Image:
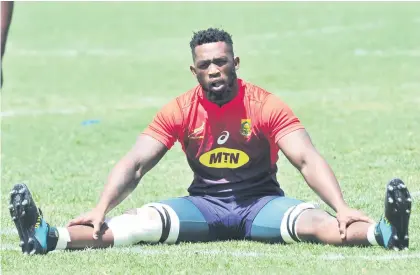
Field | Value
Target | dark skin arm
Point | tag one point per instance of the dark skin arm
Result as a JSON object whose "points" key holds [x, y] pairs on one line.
{"points": [[299, 150], [127, 173], [123, 179]]}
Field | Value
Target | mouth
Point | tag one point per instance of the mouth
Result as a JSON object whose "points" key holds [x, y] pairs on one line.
{"points": [[217, 86]]}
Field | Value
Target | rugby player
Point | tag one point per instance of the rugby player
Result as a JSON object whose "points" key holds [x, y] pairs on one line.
{"points": [[231, 132]]}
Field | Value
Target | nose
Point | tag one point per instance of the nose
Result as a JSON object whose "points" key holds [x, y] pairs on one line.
{"points": [[214, 70]]}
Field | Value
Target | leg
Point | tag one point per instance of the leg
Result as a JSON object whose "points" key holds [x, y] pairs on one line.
{"points": [[6, 18], [167, 222], [275, 221], [316, 225], [390, 232], [80, 237], [137, 225], [299, 221], [182, 220]]}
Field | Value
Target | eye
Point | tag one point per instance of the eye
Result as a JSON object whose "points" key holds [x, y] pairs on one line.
{"points": [[203, 65], [220, 61]]}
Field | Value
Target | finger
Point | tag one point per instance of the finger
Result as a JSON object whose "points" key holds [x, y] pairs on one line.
{"points": [[76, 221], [366, 219], [342, 227], [82, 220], [96, 229]]}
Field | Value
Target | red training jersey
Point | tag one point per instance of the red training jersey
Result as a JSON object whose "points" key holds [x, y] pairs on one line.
{"points": [[231, 149]]}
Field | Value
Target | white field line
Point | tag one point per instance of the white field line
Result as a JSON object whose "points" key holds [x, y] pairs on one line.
{"points": [[10, 247], [132, 52], [72, 52], [15, 113], [415, 194], [318, 31], [387, 53], [242, 254], [410, 85], [147, 102], [8, 231], [396, 256], [319, 203]]}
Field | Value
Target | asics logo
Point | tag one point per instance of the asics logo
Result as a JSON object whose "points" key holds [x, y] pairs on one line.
{"points": [[223, 138]]}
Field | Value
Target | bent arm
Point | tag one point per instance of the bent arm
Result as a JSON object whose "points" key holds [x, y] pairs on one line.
{"points": [[299, 150], [128, 172]]}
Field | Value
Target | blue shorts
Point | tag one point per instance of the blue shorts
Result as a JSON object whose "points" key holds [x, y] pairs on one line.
{"points": [[266, 218]]}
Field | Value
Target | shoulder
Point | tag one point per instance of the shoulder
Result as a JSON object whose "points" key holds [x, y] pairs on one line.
{"points": [[174, 111], [188, 98], [260, 96], [181, 102], [254, 93]]}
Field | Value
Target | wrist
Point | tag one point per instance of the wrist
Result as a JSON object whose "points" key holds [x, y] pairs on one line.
{"points": [[102, 207], [340, 206]]}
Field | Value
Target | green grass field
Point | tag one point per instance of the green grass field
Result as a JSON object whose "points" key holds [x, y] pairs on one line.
{"points": [[350, 71]]}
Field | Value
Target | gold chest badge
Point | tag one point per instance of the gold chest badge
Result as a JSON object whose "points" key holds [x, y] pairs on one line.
{"points": [[246, 127]]}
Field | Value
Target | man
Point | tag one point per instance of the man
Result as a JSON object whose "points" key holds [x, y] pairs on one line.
{"points": [[6, 18], [231, 132]]}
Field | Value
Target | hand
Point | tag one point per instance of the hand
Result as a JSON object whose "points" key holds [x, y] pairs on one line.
{"points": [[95, 217], [347, 216]]}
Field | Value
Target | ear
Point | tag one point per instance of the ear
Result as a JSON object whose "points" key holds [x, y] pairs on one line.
{"points": [[236, 61], [192, 69]]}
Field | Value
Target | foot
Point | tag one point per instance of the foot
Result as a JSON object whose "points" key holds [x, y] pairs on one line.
{"points": [[392, 229], [32, 228]]}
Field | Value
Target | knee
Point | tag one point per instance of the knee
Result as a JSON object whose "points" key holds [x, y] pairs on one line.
{"points": [[151, 223], [132, 211], [289, 227], [147, 214]]}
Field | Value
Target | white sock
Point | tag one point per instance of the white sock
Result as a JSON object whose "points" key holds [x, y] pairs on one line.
{"points": [[371, 235], [63, 238]]}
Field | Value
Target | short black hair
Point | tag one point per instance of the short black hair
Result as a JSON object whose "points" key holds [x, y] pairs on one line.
{"points": [[210, 35]]}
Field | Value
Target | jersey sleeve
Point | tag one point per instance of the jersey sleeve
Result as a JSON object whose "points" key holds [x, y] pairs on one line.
{"points": [[166, 124], [278, 119]]}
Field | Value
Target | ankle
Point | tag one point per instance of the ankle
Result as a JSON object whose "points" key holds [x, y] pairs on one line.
{"points": [[372, 234], [63, 238], [52, 238]]}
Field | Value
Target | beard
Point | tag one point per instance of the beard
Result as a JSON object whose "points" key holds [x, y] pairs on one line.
{"points": [[221, 96]]}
